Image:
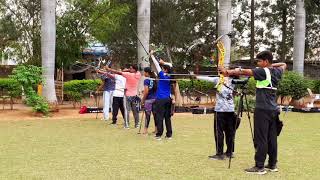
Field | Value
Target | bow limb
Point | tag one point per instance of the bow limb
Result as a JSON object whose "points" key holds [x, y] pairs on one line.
{"points": [[221, 54]]}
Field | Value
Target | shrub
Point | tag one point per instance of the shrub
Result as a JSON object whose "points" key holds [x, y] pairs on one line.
{"points": [[76, 89], [38, 103], [293, 84], [252, 86], [29, 76], [199, 85], [251, 103], [315, 86], [12, 86]]}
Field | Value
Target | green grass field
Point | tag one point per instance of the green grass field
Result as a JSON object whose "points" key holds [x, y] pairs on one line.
{"points": [[92, 149]]}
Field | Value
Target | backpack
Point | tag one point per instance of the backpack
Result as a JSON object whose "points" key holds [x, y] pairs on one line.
{"points": [[83, 110]]}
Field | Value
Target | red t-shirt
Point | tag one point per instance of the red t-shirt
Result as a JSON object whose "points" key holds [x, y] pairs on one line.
{"points": [[132, 82]]}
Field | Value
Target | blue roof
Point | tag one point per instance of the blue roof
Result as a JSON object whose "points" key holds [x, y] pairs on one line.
{"points": [[96, 50]]}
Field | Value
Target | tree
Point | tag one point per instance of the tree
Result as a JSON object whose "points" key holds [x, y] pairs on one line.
{"points": [[252, 33], [177, 25], [25, 14], [299, 37], [48, 44], [225, 26], [111, 26], [312, 29], [143, 29], [8, 32]]}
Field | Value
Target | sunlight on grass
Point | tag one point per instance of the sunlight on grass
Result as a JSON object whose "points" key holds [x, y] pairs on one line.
{"points": [[92, 149]]}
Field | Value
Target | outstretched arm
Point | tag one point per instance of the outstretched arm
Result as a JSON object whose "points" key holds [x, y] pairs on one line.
{"points": [[113, 71], [106, 74], [283, 66], [206, 78], [155, 62], [236, 72]]}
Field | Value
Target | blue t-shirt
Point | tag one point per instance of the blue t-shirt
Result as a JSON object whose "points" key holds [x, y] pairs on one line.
{"points": [[151, 86], [109, 84], [164, 86]]}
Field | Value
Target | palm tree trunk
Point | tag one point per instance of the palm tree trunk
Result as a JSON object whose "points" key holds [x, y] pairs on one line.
{"points": [[252, 42], [48, 44], [283, 49], [224, 26], [299, 37], [143, 28]]}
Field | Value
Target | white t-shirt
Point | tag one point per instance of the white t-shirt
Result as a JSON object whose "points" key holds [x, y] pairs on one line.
{"points": [[120, 86]]}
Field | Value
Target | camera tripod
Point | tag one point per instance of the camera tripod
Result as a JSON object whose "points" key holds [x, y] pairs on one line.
{"points": [[242, 101]]}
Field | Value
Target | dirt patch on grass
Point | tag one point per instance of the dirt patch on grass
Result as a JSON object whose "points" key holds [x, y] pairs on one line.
{"points": [[22, 112], [66, 111]]}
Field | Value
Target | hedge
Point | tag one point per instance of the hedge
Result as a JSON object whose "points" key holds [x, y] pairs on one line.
{"points": [[315, 86], [291, 84], [77, 89], [294, 85], [199, 85], [206, 86], [12, 86]]}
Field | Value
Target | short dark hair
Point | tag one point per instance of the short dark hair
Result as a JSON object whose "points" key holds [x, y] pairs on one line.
{"points": [[265, 55], [167, 67], [135, 67], [147, 69]]}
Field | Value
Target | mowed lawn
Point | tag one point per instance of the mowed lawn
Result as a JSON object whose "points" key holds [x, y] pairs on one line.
{"points": [[92, 149]]}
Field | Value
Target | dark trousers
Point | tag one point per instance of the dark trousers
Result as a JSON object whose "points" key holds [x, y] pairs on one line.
{"points": [[117, 104], [163, 111], [265, 136], [224, 125]]}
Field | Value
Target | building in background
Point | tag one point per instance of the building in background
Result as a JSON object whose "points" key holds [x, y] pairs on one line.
{"points": [[8, 57]]}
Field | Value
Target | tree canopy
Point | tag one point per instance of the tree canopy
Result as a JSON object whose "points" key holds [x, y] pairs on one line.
{"points": [[175, 25]]}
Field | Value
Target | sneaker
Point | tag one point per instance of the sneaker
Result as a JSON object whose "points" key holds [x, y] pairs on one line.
{"points": [[126, 127], [217, 157], [255, 170], [271, 168], [113, 123], [228, 155], [168, 137], [158, 138]]}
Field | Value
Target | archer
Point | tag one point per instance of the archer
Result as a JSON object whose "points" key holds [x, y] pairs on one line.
{"points": [[266, 109]]}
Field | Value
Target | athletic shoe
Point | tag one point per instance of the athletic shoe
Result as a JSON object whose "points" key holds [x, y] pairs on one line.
{"points": [[271, 168], [228, 155], [158, 138], [113, 123], [168, 137], [136, 126], [255, 170], [217, 157], [126, 127]]}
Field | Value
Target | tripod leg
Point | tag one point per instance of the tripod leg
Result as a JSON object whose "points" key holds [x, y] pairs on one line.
{"points": [[248, 114]]}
